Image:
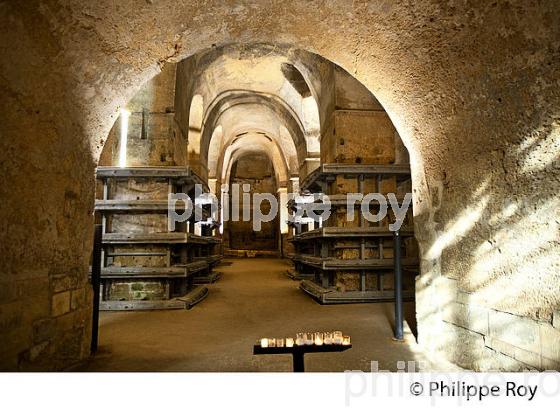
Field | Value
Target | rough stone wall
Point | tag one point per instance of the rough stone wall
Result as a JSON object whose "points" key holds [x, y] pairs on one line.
{"points": [[356, 117], [184, 93], [344, 142], [154, 137], [472, 88], [255, 170], [350, 94]]}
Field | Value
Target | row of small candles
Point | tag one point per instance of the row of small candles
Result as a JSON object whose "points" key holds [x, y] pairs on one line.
{"points": [[303, 339]]}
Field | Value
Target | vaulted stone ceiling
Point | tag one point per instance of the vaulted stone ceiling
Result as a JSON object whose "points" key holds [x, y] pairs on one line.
{"points": [[248, 90]]}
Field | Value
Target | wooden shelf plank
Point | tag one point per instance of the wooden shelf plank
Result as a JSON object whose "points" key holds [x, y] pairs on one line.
{"points": [[211, 259], [196, 295], [325, 170], [178, 270], [121, 272], [142, 205], [143, 172], [341, 200], [344, 232], [332, 263], [207, 278], [328, 296], [195, 266], [162, 237], [182, 174]]}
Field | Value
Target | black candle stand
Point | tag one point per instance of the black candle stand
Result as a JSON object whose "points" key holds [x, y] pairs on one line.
{"points": [[298, 352]]}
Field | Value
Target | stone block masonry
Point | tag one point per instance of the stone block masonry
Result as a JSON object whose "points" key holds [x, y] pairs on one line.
{"points": [[57, 320], [484, 339]]}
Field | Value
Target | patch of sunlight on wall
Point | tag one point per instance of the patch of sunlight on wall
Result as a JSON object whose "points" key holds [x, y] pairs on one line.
{"points": [[509, 262], [310, 120], [537, 152], [455, 230], [196, 113]]}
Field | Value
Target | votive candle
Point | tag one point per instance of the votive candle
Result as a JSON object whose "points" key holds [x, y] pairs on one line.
{"points": [[337, 337], [309, 338]]}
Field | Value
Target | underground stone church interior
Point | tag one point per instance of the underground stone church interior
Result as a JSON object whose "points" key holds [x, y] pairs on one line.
{"points": [[110, 109]]}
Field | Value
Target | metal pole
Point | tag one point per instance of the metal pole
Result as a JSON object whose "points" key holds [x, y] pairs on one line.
{"points": [[398, 286], [96, 284], [298, 362]]}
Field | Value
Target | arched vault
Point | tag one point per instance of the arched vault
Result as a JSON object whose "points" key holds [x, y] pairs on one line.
{"points": [[253, 110], [254, 142]]}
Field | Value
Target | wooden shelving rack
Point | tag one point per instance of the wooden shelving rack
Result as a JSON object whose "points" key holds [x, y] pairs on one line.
{"points": [[158, 269], [352, 261]]}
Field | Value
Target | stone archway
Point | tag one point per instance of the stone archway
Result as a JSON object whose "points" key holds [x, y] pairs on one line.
{"points": [[483, 151]]}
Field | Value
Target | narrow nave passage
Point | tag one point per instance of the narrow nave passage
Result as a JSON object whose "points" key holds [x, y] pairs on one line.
{"points": [[253, 299]]}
